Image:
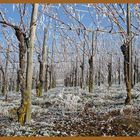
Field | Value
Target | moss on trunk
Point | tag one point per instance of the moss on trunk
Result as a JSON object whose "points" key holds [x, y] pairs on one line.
{"points": [[22, 110]]}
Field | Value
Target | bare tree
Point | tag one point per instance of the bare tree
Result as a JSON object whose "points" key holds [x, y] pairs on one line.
{"points": [[42, 66], [24, 112]]}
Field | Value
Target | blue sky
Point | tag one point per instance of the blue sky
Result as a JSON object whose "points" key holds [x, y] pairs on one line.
{"points": [[13, 15], [112, 42]]}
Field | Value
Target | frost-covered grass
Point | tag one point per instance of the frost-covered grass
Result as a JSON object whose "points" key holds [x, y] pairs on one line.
{"points": [[65, 111]]}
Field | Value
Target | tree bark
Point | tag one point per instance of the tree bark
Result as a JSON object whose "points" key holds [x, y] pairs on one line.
{"points": [[91, 74], [91, 67], [99, 73], [75, 73], [110, 72], [119, 72], [6, 68], [21, 75], [42, 66], [3, 90], [46, 76], [128, 59], [30, 60], [24, 112], [82, 82]]}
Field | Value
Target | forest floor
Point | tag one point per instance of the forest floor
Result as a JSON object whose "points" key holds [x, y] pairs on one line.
{"points": [[75, 112]]}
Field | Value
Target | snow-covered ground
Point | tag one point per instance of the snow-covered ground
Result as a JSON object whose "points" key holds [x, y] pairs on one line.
{"points": [[73, 111]]}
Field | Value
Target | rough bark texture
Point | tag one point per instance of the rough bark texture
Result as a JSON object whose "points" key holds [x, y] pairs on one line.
{"points": [[128, 58], [125, 52], [21, 75]]}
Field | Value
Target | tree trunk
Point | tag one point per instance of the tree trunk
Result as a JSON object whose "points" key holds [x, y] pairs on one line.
{"points": [[91, 74], [3, 90], [18, 81], [21, 80], [0, 82], [53, 78], [137, 78], [6, 68], [91, 66], [83, 67], [135, 71], [87, 78], [42, 66], [46, 79], [110, 72], [99, 73], [50, 79], [30, 61], [128, 59], [24, 112], [119, 72], [75, 82], [46, 76]]}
